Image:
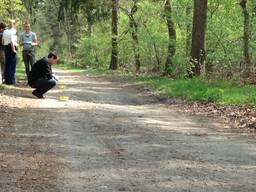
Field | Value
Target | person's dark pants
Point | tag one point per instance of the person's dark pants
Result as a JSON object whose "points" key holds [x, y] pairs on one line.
{"points": [[2, 62], [43, 85], [28, 59], [10, 66]]}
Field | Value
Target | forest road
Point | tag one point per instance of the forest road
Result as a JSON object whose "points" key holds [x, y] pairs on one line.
{"points": [[95, 135]]}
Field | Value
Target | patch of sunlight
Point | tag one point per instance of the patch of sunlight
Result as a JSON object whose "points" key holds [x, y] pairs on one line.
{"points": [[191, 164], [180, 184], [106, 88], [37, 135], [174, 124], [62, 86], [63, 98]]}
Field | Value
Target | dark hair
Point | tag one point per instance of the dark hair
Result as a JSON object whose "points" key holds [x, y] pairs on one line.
{"points": [[27, 23], [2, 26], [52, 54]]}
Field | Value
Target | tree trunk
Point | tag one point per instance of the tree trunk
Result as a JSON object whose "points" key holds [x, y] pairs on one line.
{"points": [[188, 32], [89, 25], [157, 66], [114, 55], [134, 29], [172, 38], [246, 37], [198, 38]]}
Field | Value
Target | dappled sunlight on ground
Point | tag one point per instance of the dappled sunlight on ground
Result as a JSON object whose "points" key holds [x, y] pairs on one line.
{"points": [[90, 134]]}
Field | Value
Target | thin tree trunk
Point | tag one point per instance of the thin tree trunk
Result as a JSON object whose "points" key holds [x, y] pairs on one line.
{"points": [[114, 55], [246, 37], [172, 38], [89, 19], [188, 32], [157, 65], [134, 29], [198, 37]]}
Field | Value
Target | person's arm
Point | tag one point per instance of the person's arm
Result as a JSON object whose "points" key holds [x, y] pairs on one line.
{"points": [[47, 71], [35, 42], [13, 47], [14, 41]]}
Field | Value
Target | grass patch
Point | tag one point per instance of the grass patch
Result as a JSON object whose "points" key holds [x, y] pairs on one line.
{"points": [[1, 87], [222, 92], [20, 72]]}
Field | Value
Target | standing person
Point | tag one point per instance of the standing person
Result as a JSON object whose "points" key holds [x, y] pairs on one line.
{"points": [[41, 77], [10, 38], [28, 41], [2, 54]]}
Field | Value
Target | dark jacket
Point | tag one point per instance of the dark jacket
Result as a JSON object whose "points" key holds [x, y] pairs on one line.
{"points": [[40, 70]]}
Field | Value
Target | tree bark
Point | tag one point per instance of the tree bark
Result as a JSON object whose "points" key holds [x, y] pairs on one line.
{"points": [[198, 38], [188, 32], [246, 37], [134, 29], [172, 38], [157, 65], [114, 55]]}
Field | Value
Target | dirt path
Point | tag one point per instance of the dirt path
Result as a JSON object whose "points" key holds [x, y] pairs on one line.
{"points": [[94, 135]]}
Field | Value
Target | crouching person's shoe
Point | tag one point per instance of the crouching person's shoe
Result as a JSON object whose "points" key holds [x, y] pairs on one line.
{"points": [[40, 96]]}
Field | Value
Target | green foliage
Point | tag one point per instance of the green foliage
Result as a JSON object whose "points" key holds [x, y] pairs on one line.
{"points": [[83, 33], [80, 30], [94, 50], [11, 9]]}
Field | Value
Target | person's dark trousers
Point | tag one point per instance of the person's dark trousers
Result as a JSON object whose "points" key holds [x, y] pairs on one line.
{"points": [[28, 59], [2, 62], [43, 85], [10, 66]]}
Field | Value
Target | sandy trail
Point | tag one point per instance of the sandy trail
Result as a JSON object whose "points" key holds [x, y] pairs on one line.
{"points": [[91, 134]]}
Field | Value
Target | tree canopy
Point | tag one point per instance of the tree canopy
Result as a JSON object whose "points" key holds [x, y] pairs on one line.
{"points": [[151, 36]]}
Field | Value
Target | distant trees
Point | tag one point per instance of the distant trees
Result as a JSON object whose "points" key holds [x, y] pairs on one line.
{"points": [[162, 37]]}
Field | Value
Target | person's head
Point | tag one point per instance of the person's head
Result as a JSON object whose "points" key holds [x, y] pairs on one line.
{"points": [[53, 58], [12, 23], [2, 26], [27, 26]]}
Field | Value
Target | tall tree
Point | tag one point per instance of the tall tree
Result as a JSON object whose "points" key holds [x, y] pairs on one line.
{"points": [[172, 38], [114, 55], [69, 11], [134, 28], [198, 37], [32, 7], [246, 37], [134, 31]]}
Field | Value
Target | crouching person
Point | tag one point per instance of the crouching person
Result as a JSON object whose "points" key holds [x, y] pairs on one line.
{"points": [[41, 77]]}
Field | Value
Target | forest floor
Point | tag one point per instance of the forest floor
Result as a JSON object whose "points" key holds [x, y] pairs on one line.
{"points": [[98, 135]]}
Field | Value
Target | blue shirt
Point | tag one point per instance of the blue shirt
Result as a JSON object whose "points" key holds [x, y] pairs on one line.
{"points": [[27, 40]]}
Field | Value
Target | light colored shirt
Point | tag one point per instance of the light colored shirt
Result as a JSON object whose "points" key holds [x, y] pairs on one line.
{"points": [[7, 37], [27, 40], [10, 36]]}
